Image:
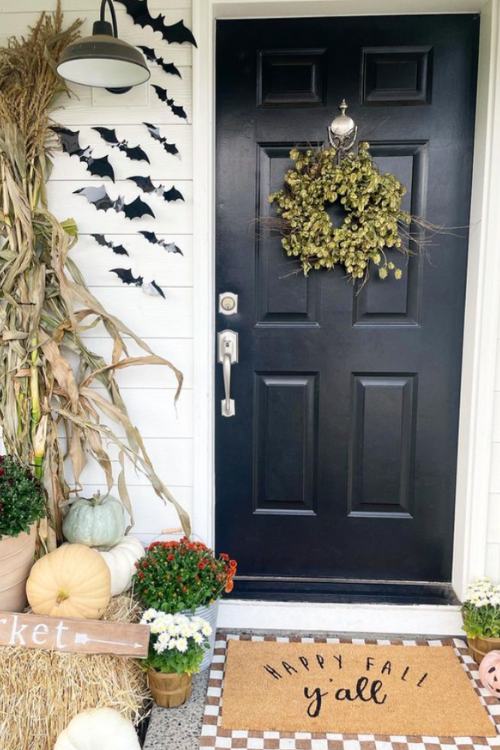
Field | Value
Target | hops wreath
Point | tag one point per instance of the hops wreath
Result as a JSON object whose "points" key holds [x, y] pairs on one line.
{"points": [[373, 222]]}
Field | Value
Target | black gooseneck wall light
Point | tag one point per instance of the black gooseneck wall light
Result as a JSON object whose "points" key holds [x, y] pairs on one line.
{"points": [[103, 60]]}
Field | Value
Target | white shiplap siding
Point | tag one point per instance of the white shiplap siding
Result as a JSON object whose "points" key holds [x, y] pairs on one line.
{"points": [[166, 325]]}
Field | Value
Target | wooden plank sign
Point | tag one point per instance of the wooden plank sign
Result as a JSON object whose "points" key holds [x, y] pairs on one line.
{"points": [[75, 636]]}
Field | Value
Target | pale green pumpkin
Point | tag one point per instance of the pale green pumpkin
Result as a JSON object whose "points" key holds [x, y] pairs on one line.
{"points": [[96, 521]]}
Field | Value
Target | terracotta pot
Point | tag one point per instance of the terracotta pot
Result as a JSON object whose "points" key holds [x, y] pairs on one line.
{"points": [[169, 690], [479, 647], [16, 560]]}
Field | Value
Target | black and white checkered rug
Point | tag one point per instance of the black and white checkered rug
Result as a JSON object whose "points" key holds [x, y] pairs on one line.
{"points": [[214, 736]]}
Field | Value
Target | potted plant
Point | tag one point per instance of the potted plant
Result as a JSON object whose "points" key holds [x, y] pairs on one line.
{"points": [[186, 577], [22, 504], [481, 616], [176, 650]]}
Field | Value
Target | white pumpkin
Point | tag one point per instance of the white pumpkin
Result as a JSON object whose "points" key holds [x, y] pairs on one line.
{"points": [[99, 521], [121, 560], [97, 729]]}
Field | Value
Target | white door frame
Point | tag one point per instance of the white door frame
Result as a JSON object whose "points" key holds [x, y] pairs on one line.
{"points": [[481, 313]]}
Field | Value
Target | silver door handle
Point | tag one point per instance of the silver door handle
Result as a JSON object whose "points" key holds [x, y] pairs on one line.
{"points": [[228, 355]]}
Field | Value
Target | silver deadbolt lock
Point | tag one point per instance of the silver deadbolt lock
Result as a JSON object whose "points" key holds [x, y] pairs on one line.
{"points": [[228, 303]]}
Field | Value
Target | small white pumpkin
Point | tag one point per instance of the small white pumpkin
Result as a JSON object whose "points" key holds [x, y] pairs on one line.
{"points": [[98, 521], [97, 729], [121, 560]]}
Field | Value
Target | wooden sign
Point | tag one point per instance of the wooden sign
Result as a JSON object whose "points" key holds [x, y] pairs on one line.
{"points": [[75, 636]]}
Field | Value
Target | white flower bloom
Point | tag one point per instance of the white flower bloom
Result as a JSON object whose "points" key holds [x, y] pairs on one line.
{"points": [[148, 615], [181, 645]]}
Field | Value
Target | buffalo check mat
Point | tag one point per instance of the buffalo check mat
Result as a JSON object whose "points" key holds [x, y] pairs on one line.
{"points": [[213, 735]]}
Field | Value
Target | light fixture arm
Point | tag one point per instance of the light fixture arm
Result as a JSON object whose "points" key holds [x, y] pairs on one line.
{"points": [[111, 7]]}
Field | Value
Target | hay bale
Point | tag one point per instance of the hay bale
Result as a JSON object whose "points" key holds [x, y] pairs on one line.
{"points": [[41, 691]]}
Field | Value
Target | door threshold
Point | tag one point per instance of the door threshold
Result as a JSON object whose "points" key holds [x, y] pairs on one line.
{"points": [[343, 591], [341, 617]]}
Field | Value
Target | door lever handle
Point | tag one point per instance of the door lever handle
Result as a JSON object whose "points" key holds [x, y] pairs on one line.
{"points": [[227, 342]]}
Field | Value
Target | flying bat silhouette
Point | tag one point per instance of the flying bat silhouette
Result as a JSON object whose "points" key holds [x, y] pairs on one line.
{"points": [[133, 152], [154, 132], [150, 54], [170, 247], [117, 249], [127, 277], [162, 95], [147, 186], [177, 32], [99, 198], [70, 143]]}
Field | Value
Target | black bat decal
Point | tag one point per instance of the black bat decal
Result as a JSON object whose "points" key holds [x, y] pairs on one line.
{"points": [[150, 54], [70, 144], [127, 277], [153, 289], [147, 186], [99, 198], [132, 152], [173, 195], [162, 95], [154, 132], [117, 249], [144, 183], [170, 247], [177, 32]]}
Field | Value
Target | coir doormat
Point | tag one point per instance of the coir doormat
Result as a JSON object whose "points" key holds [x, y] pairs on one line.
{"points": [[350, 688]]}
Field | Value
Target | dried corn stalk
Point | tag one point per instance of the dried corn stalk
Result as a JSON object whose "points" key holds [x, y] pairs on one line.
{"points": [[45, 305]]}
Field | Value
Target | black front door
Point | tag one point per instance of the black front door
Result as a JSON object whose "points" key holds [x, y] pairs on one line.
{"points": [[336, 475]]}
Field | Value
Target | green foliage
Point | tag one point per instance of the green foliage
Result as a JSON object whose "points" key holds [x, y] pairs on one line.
{"points": [[177, 576], [481, 610], [177, 642], [22, 499], [372, 202]]}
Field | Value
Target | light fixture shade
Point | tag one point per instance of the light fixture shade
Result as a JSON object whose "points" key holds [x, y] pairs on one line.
{"points": [[103, 61]]}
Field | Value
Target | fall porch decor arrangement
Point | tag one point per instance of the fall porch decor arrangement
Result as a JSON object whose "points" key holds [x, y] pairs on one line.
{"points": [[481, 617], [45, 305], [176, 650], [22, 504], [185, 577], [374, 220]]}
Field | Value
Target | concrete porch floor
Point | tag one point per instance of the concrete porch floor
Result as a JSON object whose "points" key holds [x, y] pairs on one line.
{"points": [[180, 728]]}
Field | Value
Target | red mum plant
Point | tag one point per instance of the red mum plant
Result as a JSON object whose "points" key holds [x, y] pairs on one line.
{"points": [[177, 576]]}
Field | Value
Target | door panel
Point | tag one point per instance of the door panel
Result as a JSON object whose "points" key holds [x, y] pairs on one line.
{"points": [[336, 476]]}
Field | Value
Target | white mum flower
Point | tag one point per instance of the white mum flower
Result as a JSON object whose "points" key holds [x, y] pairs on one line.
{"points": [[148, 615], [206, 628], [181, 645]]}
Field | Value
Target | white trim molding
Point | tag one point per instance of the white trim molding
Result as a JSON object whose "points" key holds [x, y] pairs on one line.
{"points": [[481, 316], [417, 619]]}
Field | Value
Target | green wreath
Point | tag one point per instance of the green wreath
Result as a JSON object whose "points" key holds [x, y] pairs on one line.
{"points": [[374, 219]]}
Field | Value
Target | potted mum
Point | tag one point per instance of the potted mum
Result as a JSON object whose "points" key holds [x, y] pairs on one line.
{"points": [[176, 650], [22, 504], [186, 577], [481, 616]]}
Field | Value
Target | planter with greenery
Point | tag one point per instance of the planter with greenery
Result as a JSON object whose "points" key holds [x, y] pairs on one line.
{"points": [[481, 616], [185, 577], [176, 649], [22, 505]]}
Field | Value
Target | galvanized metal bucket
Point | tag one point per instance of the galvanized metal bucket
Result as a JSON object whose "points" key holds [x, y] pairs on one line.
{"points": [[208, 613]]}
